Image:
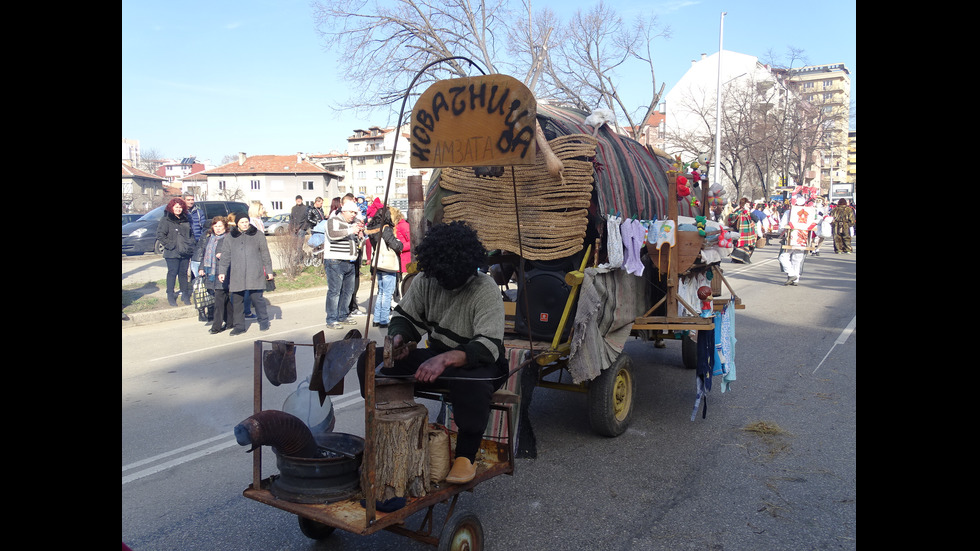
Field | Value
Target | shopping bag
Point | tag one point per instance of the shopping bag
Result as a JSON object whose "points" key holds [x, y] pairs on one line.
{"points": [[201, 296]]}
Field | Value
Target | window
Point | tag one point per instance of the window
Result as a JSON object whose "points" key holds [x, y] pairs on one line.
{"points": [[307, 185], [275, 205], [379, 158], [222, 185], [255, 185], [808, 84], [399, 173], [380, 190], [362, 175], [379, 174]]}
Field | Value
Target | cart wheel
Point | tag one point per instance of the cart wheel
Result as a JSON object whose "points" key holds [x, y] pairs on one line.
{"points": [[689, 352], [313, 529], [611, 398], [462, 532]]}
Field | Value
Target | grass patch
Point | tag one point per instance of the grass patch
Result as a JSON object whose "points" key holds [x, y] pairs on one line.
{"points": [[149, 296]]}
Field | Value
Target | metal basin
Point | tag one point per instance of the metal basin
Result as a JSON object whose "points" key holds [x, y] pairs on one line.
{"points": [[330, 477]]}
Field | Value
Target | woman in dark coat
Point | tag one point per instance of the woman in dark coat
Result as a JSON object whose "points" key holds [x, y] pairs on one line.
{"points": [[211, 246], [174, 232], [245, 265]]}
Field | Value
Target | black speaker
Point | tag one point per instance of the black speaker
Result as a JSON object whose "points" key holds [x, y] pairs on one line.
{"points": [[546, 294]]}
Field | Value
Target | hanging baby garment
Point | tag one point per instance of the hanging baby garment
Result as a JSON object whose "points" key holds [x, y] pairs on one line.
{"points": [[662, 232], [633, 238]]}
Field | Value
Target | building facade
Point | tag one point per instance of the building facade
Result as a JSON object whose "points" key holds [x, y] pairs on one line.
{"points": [[142, 191], [275, 180]]}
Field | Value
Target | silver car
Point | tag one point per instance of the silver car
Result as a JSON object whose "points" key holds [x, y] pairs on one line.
{"points": [[277, 225]]}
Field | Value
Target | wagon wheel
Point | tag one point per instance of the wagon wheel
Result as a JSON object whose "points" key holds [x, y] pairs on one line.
{"points": [[313, 529], [689, 351], [611, 397], [462, 532]]}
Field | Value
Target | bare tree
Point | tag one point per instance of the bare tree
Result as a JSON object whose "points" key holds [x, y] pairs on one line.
{"points": [[386, 45], [571, 64]]}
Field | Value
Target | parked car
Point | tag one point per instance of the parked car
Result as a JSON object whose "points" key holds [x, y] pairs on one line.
{"points": [[141, 236], [277, 225], [127, 218]]}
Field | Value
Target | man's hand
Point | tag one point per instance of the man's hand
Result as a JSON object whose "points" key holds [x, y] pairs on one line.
{"points": [[431, 369], [398, 352]]}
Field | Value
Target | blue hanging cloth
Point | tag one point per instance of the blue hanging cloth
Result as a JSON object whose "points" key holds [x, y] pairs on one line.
{"points": [[706, 360]]}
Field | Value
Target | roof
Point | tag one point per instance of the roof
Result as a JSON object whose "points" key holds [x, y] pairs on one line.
{"points": [[133, 172], [268, 164]]}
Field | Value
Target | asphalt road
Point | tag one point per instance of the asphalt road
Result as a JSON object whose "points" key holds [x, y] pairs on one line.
{"points": [[667, 483]]}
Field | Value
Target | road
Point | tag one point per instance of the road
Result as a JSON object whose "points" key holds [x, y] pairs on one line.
{"points": [[667, 483]]}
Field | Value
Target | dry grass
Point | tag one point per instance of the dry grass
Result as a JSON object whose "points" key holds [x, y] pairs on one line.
{"points": [[772, 436]]}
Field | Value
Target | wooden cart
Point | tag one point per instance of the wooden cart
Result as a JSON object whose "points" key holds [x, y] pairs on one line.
{"points": [[358, 514]]}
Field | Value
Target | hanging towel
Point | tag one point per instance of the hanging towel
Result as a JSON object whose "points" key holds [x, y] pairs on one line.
{"points": [[614, 241], [706, 359], [728, 344]]}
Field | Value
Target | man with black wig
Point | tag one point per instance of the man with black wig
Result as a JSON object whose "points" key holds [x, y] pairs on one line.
{"points": [[462, 312]]}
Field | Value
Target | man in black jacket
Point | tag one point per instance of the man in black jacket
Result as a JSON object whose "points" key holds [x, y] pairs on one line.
{"points": [[298, 226], [315, 214], [297, 217]]}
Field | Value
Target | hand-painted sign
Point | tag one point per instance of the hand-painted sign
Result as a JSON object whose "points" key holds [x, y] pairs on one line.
{"points": [[475, 121]]}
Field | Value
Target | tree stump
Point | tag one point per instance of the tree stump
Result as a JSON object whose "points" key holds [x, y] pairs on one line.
{"points": [[401, 451]]}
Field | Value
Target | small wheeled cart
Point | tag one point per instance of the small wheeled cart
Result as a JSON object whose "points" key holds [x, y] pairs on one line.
{"points": [[359, 513]]}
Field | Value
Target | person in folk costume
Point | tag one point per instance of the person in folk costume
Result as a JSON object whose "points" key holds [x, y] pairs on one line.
{"points": [[796, 233], [844, 220], [741, 221]]}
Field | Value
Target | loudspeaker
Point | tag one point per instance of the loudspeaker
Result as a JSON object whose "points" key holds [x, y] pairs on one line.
{"points": [[546, 293]]}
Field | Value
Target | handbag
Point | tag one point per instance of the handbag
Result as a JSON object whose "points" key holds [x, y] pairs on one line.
{"points": [[201, 297], [388, 260]]}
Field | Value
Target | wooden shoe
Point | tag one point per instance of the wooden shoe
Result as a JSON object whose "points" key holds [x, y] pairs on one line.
{"points": [[462, 472]]}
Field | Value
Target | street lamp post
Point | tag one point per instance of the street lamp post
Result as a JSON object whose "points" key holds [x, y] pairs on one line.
{"points": [[717, 160]]}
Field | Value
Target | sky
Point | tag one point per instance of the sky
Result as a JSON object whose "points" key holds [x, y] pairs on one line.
{"points": [[213, 78]]}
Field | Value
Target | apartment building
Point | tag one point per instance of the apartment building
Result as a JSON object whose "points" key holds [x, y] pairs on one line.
{"points": [[828, 86], [369, 163]]}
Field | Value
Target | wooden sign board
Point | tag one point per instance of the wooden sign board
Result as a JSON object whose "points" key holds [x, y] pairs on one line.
{"points": [[474, 121]]}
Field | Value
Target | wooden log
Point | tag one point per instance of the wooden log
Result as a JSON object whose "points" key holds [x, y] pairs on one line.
{"points": [[401, 451]]}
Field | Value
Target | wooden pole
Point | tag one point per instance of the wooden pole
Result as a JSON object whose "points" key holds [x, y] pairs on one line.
{"points": [[416, 211]]}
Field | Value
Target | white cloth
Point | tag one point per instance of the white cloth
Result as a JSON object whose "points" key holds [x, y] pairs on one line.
{"points": [[614, 241], [791, 261]]}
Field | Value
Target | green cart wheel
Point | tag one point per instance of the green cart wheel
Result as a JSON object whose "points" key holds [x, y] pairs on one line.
{"points": [[611, 397]]}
